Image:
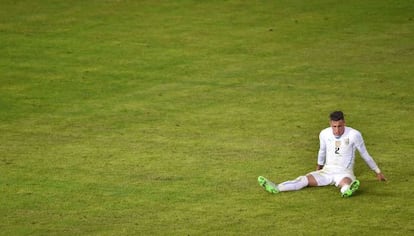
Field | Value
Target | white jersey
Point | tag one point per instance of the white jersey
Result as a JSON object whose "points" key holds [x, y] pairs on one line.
{"points": [[339, 153]]}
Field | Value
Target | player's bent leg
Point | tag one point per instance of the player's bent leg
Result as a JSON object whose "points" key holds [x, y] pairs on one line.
{"points": [[349, 190], [345, 181], [267, 185]]}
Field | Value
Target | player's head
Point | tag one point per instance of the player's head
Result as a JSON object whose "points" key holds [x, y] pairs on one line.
{"points": [[337, 115], [337, 122]]}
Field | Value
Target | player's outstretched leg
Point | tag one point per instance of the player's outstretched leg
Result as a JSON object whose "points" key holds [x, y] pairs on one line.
{"points": [[352, 188], [267, 185]]}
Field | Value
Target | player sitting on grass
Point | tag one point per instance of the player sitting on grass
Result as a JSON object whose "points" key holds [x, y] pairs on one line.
{"points": [[336, 160]]}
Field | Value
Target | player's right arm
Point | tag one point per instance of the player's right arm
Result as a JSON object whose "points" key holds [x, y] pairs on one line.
{"points": [[321, 152]]}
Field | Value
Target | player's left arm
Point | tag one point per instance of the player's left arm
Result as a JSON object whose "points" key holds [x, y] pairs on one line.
{"points": [[381, 177], [360, 145]]}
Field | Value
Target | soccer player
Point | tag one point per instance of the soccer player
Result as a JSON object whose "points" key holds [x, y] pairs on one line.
{"points": [[336, 158]]}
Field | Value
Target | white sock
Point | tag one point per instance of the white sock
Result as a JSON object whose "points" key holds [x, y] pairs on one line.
{"points": [[344, 188], [296, 184]]}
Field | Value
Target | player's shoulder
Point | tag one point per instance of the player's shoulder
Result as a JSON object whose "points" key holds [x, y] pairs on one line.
{"points": [[325, 132], [352, 132]]}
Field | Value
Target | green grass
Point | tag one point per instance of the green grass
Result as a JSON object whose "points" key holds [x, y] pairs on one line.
{"points": [[156, 117]]}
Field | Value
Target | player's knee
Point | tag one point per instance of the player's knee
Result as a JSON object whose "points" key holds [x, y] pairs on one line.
{"points": [[345, 181], [311, 180]]}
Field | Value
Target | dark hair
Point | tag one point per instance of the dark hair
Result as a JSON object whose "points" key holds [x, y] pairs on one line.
{"points": [[337, 115]]}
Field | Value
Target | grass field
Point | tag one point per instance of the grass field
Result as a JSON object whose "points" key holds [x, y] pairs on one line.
{"points": [[156, 117]]}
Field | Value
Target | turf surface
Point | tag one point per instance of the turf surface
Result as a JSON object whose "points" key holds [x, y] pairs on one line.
{"points": [[156, 117]]}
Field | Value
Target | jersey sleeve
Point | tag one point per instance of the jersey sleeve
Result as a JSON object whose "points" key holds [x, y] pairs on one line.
{"points": [[322, 150], [360, 145]]}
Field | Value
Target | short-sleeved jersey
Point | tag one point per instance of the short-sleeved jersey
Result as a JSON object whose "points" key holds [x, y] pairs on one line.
{"points": [[339, 152]]}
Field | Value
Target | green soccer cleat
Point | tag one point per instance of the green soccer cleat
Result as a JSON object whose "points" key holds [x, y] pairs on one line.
{"points": [[267, 185], [354, 187]]}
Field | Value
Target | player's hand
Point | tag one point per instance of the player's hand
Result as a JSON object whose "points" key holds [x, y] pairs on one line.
{"points": [[381, 177]]}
